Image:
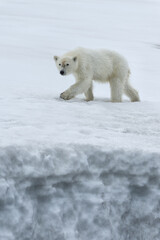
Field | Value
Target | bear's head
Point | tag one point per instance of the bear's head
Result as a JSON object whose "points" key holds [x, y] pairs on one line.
{"points": [[66, 65]]}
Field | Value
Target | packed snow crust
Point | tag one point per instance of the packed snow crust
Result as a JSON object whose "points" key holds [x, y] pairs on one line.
{"points": [[79, 192], [74, 169]]}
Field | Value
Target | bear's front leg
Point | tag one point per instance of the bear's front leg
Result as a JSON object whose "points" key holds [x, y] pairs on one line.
{"points": [[67, 95], [80, 87], [89, 94]]}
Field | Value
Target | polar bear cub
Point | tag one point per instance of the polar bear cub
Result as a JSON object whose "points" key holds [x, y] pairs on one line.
{"points": [[99, 65]]}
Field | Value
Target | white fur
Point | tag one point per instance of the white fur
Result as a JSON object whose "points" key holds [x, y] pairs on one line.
{"points": [[99, 65]]}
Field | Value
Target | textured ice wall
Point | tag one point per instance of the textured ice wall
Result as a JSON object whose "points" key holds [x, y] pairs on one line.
{"points": [[78, 192]]}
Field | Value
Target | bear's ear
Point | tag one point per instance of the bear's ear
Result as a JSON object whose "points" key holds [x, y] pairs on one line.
{"points": [[75, 59], [55, 58]]}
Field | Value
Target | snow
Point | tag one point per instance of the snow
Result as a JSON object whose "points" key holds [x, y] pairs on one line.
{"points": [[48, 194], [48, 121], [76, 169]]}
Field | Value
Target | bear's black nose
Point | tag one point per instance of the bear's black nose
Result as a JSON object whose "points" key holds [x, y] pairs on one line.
{"points": [[62, 72]]}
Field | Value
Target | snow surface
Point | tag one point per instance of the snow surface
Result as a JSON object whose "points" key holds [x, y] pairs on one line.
{"points": [[76, 169]]}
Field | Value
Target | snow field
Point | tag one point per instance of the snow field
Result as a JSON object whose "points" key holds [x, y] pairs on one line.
{"points": [[76, 169]]}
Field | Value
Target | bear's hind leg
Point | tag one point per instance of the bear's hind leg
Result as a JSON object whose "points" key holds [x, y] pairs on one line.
{"points": [[116, 90], [89, 94], [131, 92]]}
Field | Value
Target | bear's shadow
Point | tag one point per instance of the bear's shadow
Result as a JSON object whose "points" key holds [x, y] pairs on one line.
{"points": [[82, 100]]}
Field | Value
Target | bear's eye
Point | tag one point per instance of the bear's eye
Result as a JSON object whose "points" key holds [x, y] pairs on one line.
{"points": [[67, 64], [59, 64]]}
